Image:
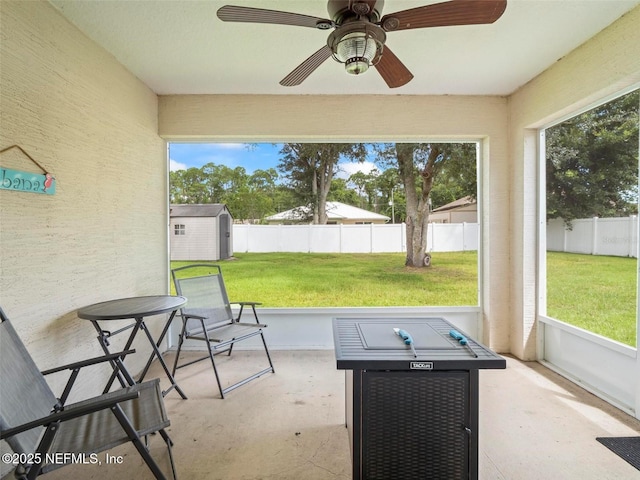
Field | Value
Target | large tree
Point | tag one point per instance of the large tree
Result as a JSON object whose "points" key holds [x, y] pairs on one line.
{"points": [[189, 186], [457, 178], [419, 164], [391, 195], [367, 187], [310, 168], [380, 191], [340, 192], [592, 162]]}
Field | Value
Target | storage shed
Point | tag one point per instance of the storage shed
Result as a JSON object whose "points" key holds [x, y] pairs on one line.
{"points": [[200, 232]]}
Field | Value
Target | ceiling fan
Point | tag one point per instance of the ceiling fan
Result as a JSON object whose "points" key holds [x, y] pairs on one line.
{"points": [[360, 31]]}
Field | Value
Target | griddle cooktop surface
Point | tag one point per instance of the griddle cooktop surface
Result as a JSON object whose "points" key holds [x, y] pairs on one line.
{"points": [[381, 336], [372, 344]]}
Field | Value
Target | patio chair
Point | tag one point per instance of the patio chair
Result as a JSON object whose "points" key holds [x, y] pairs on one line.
{"points": [[207, 317], [45, 433]]}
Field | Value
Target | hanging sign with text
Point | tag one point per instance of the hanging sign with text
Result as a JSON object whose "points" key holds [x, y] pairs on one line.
{"points": [[19, 181]]}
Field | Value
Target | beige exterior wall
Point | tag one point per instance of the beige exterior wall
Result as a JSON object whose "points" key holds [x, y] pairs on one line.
{"points": [[398, 118], [606, 65], [103, 235], [467, 214]]}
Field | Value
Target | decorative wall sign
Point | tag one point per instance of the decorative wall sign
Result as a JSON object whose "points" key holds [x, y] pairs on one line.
{"points": [[27, 181], [20, 181]]}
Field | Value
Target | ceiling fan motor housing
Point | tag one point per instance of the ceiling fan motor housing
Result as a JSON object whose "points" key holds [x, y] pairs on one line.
{"points": [[339, 10]]}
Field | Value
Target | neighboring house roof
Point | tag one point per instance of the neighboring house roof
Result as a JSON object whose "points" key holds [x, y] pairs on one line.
{"points": [[335, 211], [197, 210], [461, 202]]}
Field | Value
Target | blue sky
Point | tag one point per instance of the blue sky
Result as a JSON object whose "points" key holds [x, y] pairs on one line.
{"points": [[260, 156]]}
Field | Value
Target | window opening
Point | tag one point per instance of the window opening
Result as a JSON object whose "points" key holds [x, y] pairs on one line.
{"points": [[367, 264], [592, 219]]}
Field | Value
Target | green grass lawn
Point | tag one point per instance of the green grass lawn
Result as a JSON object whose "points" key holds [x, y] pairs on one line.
{"points": [[596, 293], [349, 280]]}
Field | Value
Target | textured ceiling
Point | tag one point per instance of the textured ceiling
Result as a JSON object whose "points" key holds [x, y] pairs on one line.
{"points": [[181, 47]]}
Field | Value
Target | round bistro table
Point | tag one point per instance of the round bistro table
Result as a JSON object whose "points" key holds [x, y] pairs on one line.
{"points": [[136, 309]]}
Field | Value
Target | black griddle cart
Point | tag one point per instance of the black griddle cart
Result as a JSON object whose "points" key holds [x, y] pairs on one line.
{"points": [[411, 417]]}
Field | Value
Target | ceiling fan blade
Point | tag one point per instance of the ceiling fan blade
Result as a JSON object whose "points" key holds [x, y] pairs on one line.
{"points": [[454, 12], [392, 70], [232, 13], [306, 68]]}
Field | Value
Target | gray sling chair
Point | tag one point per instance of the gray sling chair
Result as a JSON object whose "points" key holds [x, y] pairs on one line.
{"points": [[37, 425], [207, 317]]}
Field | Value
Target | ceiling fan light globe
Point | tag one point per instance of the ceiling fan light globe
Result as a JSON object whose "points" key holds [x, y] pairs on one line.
{"points": [[356, 65], [357, 44]]}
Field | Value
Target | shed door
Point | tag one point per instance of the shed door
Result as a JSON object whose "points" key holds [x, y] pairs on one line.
{"points": [[225, 236]]}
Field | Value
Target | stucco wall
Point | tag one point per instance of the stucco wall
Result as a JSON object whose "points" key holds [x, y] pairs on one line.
{"points": [[606, 65], [373, 118], [103, 235]]}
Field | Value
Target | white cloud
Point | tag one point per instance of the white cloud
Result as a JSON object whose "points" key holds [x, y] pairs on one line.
{"points": [[173, 166], [230, 146], [349, 168]]}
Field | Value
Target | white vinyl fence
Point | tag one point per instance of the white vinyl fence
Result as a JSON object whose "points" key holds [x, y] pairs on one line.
{"points": [[388, 238], [596, 236]]}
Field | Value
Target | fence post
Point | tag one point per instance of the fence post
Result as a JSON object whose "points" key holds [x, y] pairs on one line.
{"points": [[633, 236], [594, 236], [430, 233], [464, 236], [371, 238], [404, 237], [248, 239]]}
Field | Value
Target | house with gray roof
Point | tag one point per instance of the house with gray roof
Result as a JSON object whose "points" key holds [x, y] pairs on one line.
{"points": [[462, 210], [337, 212]]}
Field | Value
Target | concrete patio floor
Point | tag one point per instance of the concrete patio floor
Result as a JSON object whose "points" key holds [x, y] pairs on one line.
{"points": [[289, 425]]}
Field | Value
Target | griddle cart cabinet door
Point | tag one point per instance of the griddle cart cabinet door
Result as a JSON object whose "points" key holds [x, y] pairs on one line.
{"points": [[415, 425]]}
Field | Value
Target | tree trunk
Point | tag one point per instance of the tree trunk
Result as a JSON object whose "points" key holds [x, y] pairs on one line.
{"points": [[314, 193], [417, 203], [417, 229], [322, 203], [327, 162]]}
